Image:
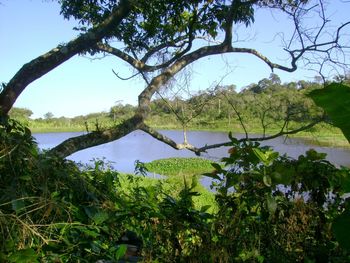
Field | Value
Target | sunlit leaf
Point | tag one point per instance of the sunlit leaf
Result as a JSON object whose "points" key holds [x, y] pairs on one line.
{"points": [[100, 217], [260, 154], [267, 180], [120, 251], [335, 100], [271, 204], [272, 155]]}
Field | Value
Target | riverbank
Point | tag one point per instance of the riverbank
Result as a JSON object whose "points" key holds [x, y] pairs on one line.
{"points": [[320, 135]]}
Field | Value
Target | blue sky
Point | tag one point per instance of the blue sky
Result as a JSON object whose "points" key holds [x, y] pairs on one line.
{"points": [[29, 28]]}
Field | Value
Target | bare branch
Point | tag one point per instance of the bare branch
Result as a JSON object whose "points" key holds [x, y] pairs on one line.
{"points": [[281, 133], [315, 40], [140, 64], [119, 77], [238, 115], [166, 140]]}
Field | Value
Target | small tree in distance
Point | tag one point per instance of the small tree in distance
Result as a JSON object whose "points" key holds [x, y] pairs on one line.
{"points": [[20, 113], [48, 116]]}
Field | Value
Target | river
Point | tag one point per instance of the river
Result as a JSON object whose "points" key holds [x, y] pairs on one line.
{"points": [[141, 146]]}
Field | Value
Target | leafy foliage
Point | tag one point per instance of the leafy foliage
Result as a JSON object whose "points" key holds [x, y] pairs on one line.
{"points": [[56, 211], [273, 207], [335, 100], [268, 208], [157, 22], [175, 23]]}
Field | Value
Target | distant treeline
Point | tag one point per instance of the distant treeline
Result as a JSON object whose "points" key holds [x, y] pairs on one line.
{"points": [[259, 107]]}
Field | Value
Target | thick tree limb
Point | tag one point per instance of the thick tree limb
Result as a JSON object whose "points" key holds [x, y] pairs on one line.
{"points": [[82, 142], [92, 139], [139, 64], [160, 137], [55, 57]]}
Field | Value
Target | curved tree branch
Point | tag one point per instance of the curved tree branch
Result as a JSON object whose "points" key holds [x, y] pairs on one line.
{"points": [[140, 64], [160, 137], [67, 147], [92, 139]]}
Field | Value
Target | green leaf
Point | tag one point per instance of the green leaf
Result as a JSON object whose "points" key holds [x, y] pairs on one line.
{"points": [[217, 167], [55, 194], [267, 180], [271, 204], [260, 154], [205, 208], [335, 101], [232, 139], [341, 229], [282, 175], [96, 214], [213, 175], [120, 251], [260, 258], [88, 232], [314, 155], [100, 217], [271, 156], [344, 175], [25, 178]]}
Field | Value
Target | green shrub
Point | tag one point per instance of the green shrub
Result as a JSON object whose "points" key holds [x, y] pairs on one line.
{"points": [[50, 210], [268, 208], [273, 208]]}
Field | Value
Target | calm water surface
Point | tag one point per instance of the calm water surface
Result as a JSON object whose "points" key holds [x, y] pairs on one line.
{"points": [[141, 146]]}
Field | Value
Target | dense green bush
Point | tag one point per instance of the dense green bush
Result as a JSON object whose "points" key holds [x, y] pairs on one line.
{"points": [[269, 208], [53, 210], [50, 210], [273, 208]]}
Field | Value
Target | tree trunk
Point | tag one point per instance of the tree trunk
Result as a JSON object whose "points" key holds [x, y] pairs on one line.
{"points": [[184, 129]]}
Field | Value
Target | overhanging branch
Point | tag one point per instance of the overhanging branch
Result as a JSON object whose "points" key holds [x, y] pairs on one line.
{"points": [[259, 139], [92, 139], [160, 137]]}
